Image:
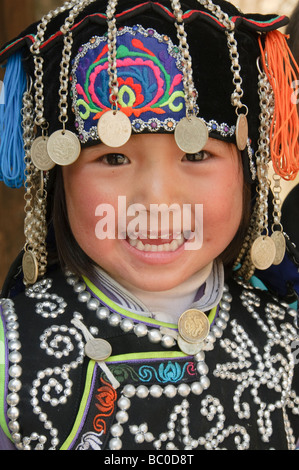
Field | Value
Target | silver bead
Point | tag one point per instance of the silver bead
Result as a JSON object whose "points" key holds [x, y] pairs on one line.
{"points": [[13, 399], [140, 330], [12, 335], [84, 296], [154, 336], [142, 391], [205, 382], [124, 403], [14, 345], [129, 391], [15, 371], [183, 390], [196, 388], [80, 287], [202, 368], [115, 444], [127, 325], [200, 356], [168, 341], [156, 391], [114, 319], [225, 306], [93, 304], [15, 385], [122, 417], [117, 430], [103, 313], [15, 357], [13, 413], [170, 391]]}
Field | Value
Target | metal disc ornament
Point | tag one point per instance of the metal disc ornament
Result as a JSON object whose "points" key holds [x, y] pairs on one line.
{"points": [[194, 326], [98, 349], [64, 147], [280, 244], [39, 154], [114, 128], [30, 267], [242, 132], [263, 252], [191, 135], [189, 348]]}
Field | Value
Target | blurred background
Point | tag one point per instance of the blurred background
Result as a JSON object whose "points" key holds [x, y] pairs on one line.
{"points": [[16, 15]]}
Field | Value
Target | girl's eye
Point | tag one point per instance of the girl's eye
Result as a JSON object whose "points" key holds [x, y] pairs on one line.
{"points": [[196, 157], [115, 159]]}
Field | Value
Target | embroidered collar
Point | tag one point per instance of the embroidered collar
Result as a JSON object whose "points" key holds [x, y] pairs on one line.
{"points": [[206, 298]]}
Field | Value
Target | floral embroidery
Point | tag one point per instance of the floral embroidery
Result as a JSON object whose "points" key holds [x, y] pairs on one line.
{"points": [[171, 372], [107, 396], [90, 441], [149, 77], [122, 372]]}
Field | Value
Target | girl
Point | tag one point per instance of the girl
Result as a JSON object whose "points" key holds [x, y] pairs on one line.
{"points": [[129, 322]]}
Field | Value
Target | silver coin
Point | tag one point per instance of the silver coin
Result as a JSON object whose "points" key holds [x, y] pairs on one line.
{"points": [[98, 349], [114, 128], [64, 147], [191, 135], [194, 326], [263, 252], [242, 132], [40, 156], [188, 348], [280, 244], [30, 267]]}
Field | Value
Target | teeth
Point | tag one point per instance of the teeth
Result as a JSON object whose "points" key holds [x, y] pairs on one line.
{"points": [[167, 247]]}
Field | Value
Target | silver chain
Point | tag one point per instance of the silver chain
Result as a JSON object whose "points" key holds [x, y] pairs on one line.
{"points": [[78, 7], [39, 62], [112, 52], [189, 89], [223, 17]]}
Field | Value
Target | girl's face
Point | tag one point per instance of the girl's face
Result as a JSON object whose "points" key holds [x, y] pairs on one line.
{"points": [[152, 170]]}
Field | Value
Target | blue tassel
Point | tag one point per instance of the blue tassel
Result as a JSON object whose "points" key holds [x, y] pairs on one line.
{"points": [[12, 166]]}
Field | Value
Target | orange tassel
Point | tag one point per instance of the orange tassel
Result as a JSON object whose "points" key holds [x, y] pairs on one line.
{"points": [[281, 67]]}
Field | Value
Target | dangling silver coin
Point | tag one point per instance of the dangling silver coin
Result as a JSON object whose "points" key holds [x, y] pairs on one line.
{"points": [[189, 348], [114, 128], [30, 267], [39, 154], [98, 349], [64, 147], [191, 135], [194, 326], [242, 132], [281, 246], [263, 252]]}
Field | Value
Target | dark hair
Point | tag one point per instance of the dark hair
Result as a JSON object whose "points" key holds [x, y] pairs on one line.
{"points": [[293, 31], [72, 256]]}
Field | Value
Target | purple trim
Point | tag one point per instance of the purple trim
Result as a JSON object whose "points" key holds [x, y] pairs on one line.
{"points": [[125, 316], [86, 409], [137, 361], [5, 443]]}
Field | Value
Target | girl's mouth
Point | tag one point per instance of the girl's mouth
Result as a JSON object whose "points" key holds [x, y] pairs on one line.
{"points": [[157, 244]]}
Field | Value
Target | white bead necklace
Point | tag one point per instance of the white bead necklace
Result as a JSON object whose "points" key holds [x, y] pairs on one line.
{"points": [[167, 337]]}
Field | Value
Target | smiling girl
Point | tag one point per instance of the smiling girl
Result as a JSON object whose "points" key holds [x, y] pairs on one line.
{"points": [[118, 333]]}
